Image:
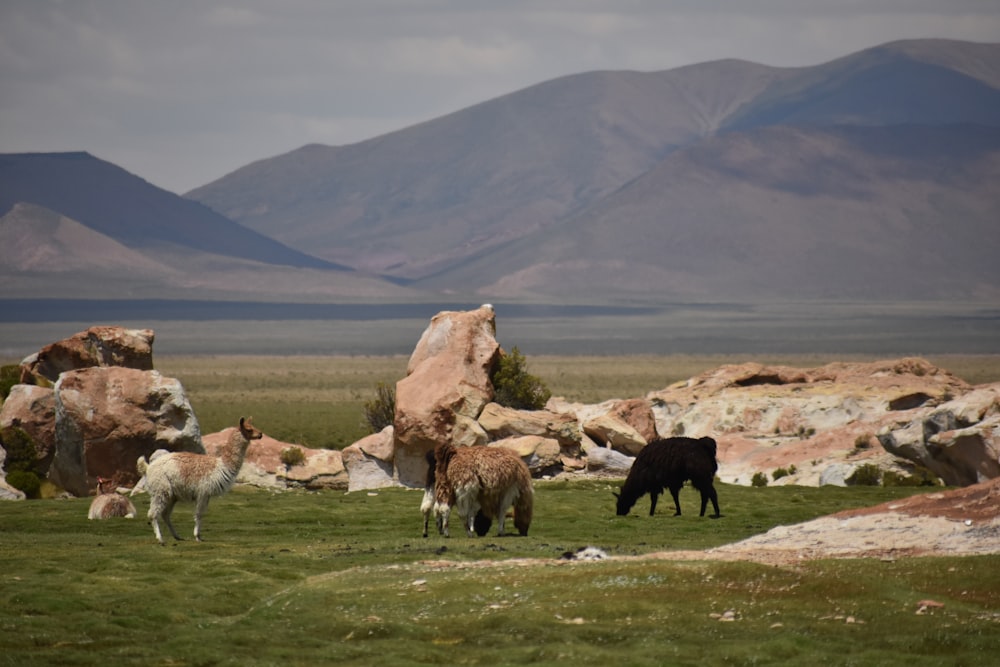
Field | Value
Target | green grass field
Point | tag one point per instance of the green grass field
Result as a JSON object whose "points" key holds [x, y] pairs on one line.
{"points": [[301, 578]]}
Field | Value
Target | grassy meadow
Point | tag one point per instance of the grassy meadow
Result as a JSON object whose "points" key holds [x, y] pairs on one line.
{"points": [[306, 578], [299, 578]]}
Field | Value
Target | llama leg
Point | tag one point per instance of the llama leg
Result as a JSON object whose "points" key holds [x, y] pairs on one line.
{"points": [[199, 509], [675, 493], [154, 512], [442, 520], [167, 511], [653, 497], [501, 518], [708, 493]]}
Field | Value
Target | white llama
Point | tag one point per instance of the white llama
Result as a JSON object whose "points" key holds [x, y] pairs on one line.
{"points": [[198, 477]]}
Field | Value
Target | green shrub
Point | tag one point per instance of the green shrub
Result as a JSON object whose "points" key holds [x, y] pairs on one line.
{"points": [[920, 477], [26, 481], [867, 474], [292, 456], [514, 387], [20, 447], [381, 410], [759, 479], [9, 376], [783, 472]]}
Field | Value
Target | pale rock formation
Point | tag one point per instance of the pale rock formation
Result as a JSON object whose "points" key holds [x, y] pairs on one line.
{"points": [[542, 455], [502, 422], [369, 461], [637, 413], [107, 417], [615, 434], [447, 384], [262, 465], [959, 441], [97, 346], [33, 409], [766, 418]]}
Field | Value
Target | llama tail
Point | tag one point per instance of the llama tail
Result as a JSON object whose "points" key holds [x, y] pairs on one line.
{"points": [[524, 507]]}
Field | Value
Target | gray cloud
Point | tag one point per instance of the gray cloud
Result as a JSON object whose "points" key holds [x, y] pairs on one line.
{"points": [[181, 93]]}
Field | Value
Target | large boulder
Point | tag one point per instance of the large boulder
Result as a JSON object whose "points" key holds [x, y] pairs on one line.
{"points": [[612, 432], [542, 455], [97, 346], [33, 409], [502, 422], [776, 417], [959, 441], [107, 417], [447, 384], [369, 461], [263, 466], [637, 413]]}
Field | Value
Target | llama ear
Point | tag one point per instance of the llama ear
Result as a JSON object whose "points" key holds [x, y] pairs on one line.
{"points": [[242, 420]]}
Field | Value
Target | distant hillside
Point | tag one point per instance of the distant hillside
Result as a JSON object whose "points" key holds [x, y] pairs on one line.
{"points": [[45, 255], [628, 185], [871, 177], [899, 212], [131, 211]]}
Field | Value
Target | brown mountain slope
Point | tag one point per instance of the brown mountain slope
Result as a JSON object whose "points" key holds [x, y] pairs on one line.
{"points": [[47, 255], [859, 213], [415, 201], [626, 184]]}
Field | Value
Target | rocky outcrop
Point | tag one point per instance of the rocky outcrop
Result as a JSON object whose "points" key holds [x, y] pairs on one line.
{"points": [[369, 461], [959, 441], [33, 409], [802, 421], [447, 384], [106, 417], [97, 346], [263, 465]]}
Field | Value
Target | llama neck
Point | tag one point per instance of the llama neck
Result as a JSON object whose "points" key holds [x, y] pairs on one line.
{"points": [[234, 451]]}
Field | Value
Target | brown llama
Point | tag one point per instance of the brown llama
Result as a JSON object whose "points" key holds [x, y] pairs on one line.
{"points": [[109, 504], [482, 479], [198, 477]]}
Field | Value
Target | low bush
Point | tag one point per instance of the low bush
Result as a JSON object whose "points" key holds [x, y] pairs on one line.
{"points": [[514, 387], [759, 479], [26, 481], [381, 410], [866, 474], [783, 472], [292, 456], [9, 376], [20, 448]]}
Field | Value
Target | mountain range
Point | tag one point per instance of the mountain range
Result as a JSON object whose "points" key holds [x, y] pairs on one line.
{"points": [[870, 177]]}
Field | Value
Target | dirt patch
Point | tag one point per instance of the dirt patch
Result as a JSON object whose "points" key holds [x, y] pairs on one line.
{"points": [[963, 521], [958, 522]]}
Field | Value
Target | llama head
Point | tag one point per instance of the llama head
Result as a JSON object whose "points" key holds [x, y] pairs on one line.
{"points": [[248, 430], [624, 500]]}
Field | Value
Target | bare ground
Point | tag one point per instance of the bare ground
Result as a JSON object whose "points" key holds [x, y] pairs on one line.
{"points": [[957, 522]]}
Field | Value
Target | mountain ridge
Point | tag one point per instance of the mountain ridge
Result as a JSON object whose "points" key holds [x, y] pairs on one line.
{"points": [[867, 177]]}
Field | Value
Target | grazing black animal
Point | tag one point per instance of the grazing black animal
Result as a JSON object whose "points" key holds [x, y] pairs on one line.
{"points": [[668, 463]]}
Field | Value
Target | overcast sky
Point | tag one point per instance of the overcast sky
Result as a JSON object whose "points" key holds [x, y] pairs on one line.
{"points": [[183, 92]]}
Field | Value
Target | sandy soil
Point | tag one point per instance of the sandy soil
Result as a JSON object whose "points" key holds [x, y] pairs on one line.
{"points": [[959, 522], [963, 521]]}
